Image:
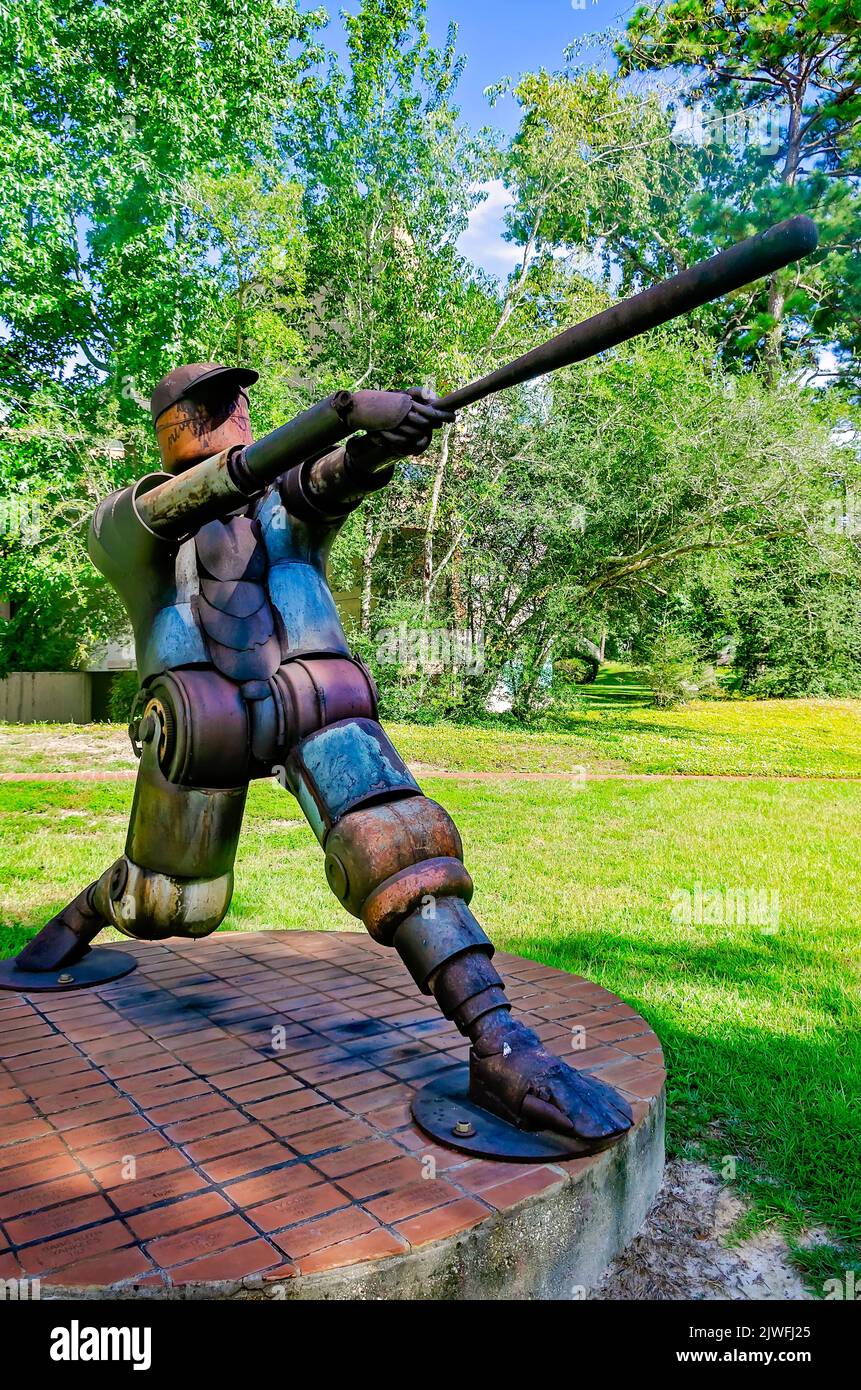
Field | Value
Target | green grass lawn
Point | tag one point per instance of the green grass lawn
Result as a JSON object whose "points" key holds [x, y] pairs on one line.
{"points": [[759, 1020], [613, 730]]}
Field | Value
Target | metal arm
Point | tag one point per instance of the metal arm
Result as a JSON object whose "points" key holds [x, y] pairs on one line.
{"points": [[335, 481], [220, 485]]}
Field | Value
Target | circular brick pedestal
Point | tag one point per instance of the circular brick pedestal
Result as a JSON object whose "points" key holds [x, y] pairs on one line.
{"points": [[233, 1119]]}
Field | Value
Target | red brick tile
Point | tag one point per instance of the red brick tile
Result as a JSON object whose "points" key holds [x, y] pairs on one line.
{"points": [[130, 1196], [264, 1090], [383, 1177], [205, 1240], [328, 1230], [442, 1221], [354, 1085], [376, 1245], [508, 1194], [16, 1114], [480, 1173], [230, 1142], [243, 1076], [356, 1156], [243, 1165], [369, 1101], [298, 1206], [32, 1199], [412, 1198], [114, 1152], [241, 1262], [102, 1271], [331, 1137], [42, 1170], [29, 1151], [138, 1167], [206, 1126], [9, 1267], [392, 1117], [68, 1216], [209, 1104], [69, 1250], [161, 1096], [275, 1184], [28, 1129], [177, 1216], [317, 1114], [68, 1099], [117, 1108]]}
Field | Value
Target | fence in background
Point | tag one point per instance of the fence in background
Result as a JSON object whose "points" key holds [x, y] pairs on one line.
{"points": [[52, 697]]}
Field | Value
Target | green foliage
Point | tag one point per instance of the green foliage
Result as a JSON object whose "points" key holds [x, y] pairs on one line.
{"points": [[781, 82], [124, 687], [210, 184], [673, 667]]}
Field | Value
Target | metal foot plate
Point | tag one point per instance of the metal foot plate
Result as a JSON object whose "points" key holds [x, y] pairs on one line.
{"points": [[443, 1107], [97, 967]]}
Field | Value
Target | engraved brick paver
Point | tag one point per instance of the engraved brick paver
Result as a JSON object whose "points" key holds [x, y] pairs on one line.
{"points": [[158, 1131]]}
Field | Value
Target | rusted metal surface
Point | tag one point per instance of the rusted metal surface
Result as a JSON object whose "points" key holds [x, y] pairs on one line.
{"points": [[64, 939], [186, 832], [448, 1115], [342, 766], [190, 432], [149, 905], [416, 886], [370, 845]]}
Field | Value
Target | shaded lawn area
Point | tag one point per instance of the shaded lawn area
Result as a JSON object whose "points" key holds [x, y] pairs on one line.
{"points": [[760, 1025]]}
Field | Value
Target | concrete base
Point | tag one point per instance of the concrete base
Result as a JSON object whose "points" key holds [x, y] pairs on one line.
{"points": [[233, 1121]]}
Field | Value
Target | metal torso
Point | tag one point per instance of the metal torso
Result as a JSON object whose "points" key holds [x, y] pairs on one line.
{"points": [[241, 596]]}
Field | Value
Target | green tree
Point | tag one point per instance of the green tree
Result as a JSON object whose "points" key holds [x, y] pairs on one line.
{"points": [[389, 176], [145, 221], [781, 80]]}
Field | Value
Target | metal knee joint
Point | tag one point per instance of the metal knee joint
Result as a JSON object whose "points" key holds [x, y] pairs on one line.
{"points": [[150, 906], [385, 861], [399, 866]]}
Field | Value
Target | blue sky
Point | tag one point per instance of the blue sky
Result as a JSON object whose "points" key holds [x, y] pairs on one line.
{"points": [[502, 38]]}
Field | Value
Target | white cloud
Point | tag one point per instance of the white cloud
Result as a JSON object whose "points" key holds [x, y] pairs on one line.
{"points": [[482, 242]]}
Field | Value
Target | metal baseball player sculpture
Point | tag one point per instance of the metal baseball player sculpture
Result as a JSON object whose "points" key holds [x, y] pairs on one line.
{"points": [[220, 562]]}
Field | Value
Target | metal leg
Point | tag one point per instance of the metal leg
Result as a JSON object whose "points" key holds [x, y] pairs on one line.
{"points": [[175, 879], [394, 859]]}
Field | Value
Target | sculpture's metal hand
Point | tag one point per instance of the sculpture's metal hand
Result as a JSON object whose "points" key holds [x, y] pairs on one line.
{"points": [[414, 434]]}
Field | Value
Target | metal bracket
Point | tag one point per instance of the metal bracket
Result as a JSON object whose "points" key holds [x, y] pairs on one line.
{"points": [[97, 967], [445, 1112]]}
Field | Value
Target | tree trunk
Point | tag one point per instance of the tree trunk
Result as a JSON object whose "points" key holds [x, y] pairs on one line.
{"points": [[373, 537], [433, 512], [777, 282]]}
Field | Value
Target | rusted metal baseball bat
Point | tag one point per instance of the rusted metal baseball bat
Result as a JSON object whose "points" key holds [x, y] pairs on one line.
{"points": [[722, 274], [218, 485]]}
